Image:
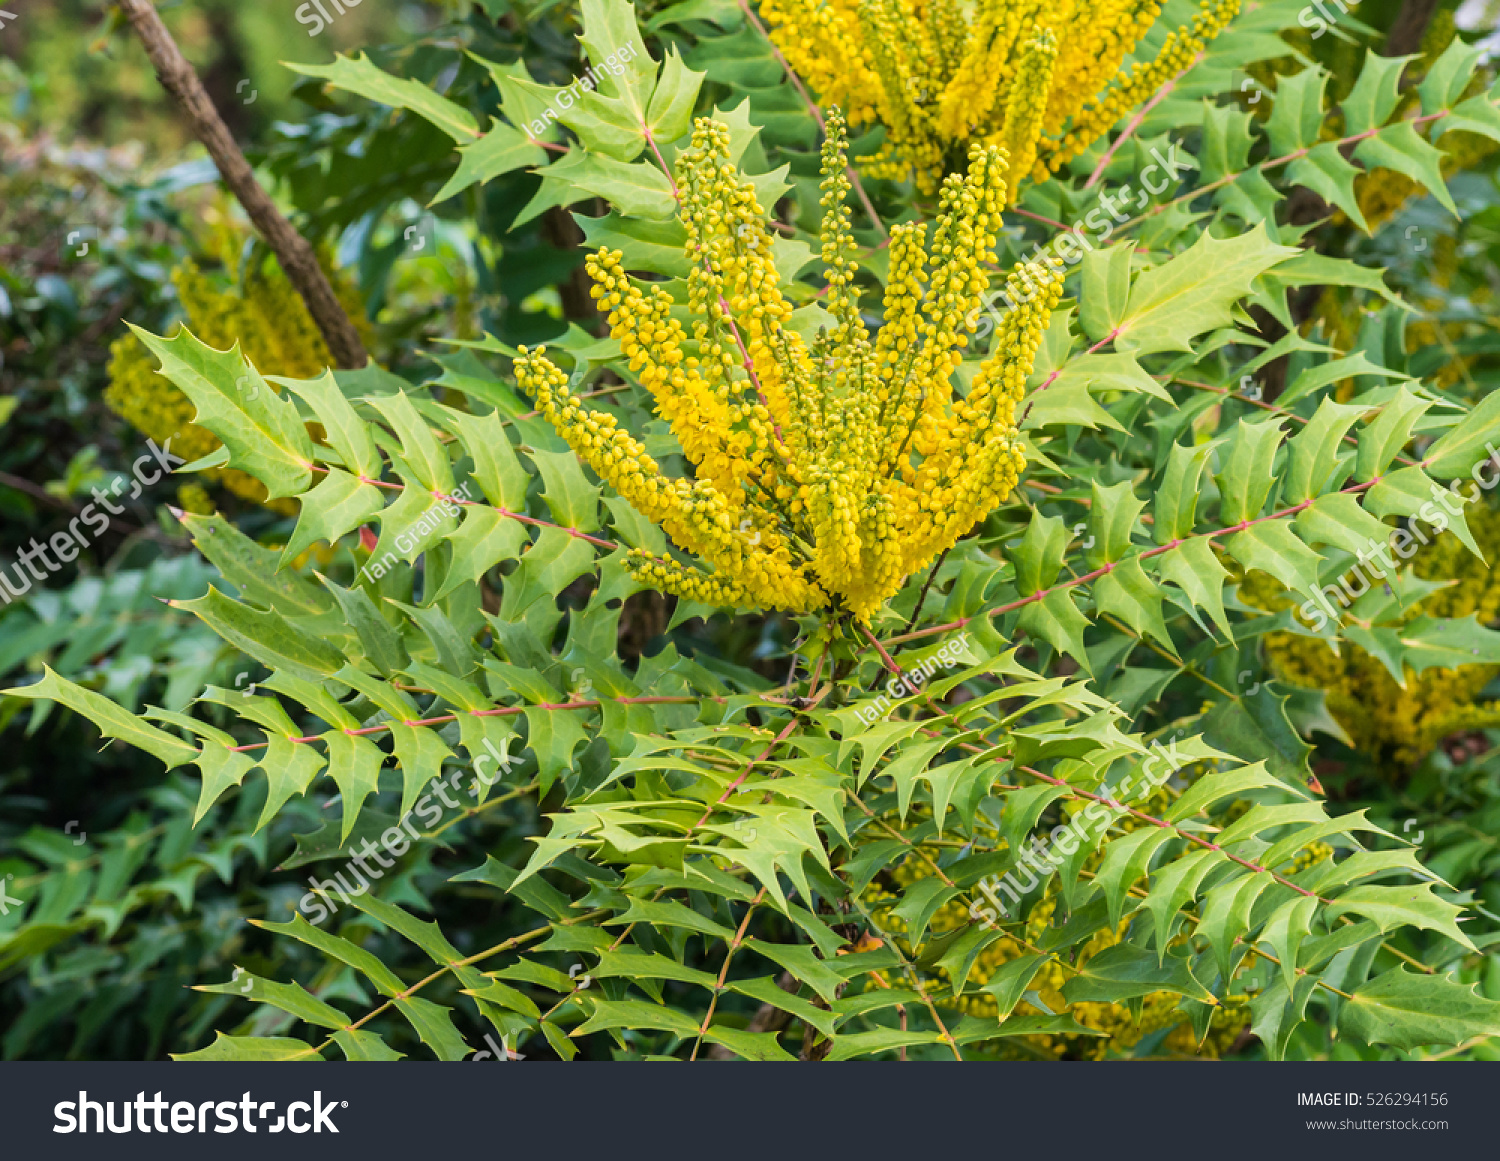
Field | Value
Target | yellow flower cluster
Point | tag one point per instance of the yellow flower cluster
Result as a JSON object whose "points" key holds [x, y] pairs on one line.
{"points": [[1043, 78], [273, 328], [827, 469], [1383, 719]]}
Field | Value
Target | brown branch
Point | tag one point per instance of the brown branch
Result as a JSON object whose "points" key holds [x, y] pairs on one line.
{"points": [[292, 250]]}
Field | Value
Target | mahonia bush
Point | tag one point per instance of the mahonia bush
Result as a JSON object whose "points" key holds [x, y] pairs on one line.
{"points": [[830, 470], [1040, 78], [735, 858]]}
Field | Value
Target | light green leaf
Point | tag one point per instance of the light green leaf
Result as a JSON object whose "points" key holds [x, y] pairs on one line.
{"points": [[1271, 547], [1406, 1010], [1297, 111], [112, 720], [501, 150], [362, 76], [1373, 99], [1401, 148], [1316, 450], [1128, 593], [252, 1048], [339, 504], [262, 432], [1193, 567], [1246, 478]]}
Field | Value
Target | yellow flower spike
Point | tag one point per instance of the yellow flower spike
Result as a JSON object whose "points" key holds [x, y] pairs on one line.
{"points": [[827, 470], [1038, 76], [1023, 114]]}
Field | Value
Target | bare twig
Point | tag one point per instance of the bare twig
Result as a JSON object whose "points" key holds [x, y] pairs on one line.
{"points": [[292, 250]]}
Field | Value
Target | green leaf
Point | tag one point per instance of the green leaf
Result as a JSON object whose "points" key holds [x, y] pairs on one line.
{"points": [[1317, 449], [1126, 860], [484, 539], [1246, 478], [262, 432], [1218, 785], [671, 113], [1129, 594], [501, 150], [574, 502], [1401, 148], [1406, 1010], [290, 768], [1285, 930], [1471, 441], [252, 1048], [803, 964], [1338, 519], [113, 722], [345, 431], [636, 189], [1373, 99], [1056, 620], [338, 505], [360, 1045], [1177, 494], [419, 448], [554, 734], [636, 1014], [354, 764], [1328, 173], [1173, 887], [496, 467], [1271, 547], [1112, 519], [221, 768], [1224, 915], [270, 638], [292, 998], [1297, 111], [362, 76], [1039, 557], [1124, 971], [1408, 491], [382, 644], [1448, 76], [1406, 906], [1106, 290], [1382, 440], [1010, 981], [387, 982], [1193, 567]]}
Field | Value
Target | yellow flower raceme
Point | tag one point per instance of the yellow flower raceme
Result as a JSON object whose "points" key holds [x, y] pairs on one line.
{"points": [[1043, 78], [829, 469]]}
